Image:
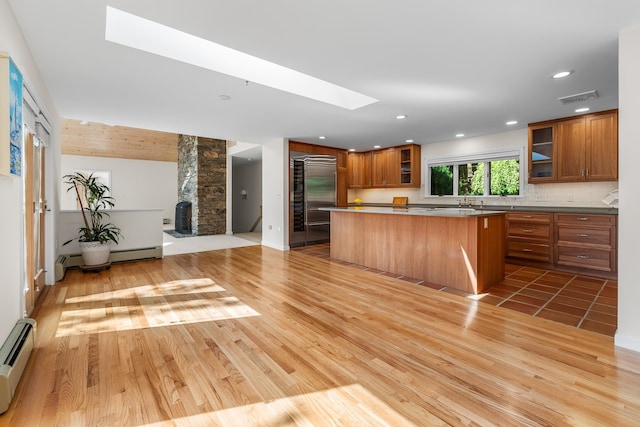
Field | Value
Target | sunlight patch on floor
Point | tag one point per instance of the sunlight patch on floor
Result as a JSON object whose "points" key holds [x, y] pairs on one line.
{"points": [[166, 304], [348, 405]]}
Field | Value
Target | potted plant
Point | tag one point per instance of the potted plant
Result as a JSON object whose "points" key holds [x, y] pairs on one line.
{"points": [[95, 237]]}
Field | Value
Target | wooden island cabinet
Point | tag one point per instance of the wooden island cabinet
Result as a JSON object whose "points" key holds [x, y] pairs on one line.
{"points": [[457, 248]]}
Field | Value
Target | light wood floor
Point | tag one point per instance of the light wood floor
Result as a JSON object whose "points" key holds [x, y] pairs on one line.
{"points": [[255, 336]]}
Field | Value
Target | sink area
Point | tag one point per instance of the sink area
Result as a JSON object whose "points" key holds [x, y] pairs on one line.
{"points": [[457, 210]]}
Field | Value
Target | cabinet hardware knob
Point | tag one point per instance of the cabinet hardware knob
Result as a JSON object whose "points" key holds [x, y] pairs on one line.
{"points": [[582, 235], [582, 256]]}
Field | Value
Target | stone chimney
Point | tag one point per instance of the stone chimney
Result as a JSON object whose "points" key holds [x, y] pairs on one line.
{"points": [[202, 180]]}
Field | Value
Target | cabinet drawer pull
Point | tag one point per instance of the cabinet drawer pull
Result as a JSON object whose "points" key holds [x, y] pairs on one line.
{"points": [[582, 218], [582, 235], [527, 231], [527, 250], [582, 256], [527, 216]]}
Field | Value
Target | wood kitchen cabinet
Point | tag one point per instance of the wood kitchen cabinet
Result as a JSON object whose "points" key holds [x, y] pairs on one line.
{"points": [[542, 153], [583, 243], [387, 168], [530, 236], [586, 241], [581, 148], [588, 148], [359, 170], [410, 166]]}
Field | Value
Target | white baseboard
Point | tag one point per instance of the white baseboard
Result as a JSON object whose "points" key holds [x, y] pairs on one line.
{"points": [[274, 246], [630, 343]]}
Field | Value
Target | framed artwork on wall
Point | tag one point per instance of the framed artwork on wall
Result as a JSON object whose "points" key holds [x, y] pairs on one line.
{"points": [[11, 126]]}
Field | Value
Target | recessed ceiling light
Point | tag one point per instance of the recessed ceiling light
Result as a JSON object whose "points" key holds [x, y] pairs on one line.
{"points": [[459, 135], [409, 141], [322, 137], [401, 116], [352, 149], [512, 122], [561, 74], [376, 146], [582, 110], [149, 36]]}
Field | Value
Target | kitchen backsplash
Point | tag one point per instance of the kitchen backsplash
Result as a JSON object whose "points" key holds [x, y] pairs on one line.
{"points": [[587, 194]]}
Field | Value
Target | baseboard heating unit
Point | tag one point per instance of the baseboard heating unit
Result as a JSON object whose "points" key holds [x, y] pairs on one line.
{"points": [[14, 355]]}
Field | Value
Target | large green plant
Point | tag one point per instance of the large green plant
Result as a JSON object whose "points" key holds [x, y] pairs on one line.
{"points": [[94, 198]]}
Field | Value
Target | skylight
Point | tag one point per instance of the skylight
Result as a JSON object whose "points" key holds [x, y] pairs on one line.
{"points": [[140, 33]]}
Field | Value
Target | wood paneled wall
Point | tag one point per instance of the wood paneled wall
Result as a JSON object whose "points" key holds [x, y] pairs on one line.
{"points": [[100, 140]]}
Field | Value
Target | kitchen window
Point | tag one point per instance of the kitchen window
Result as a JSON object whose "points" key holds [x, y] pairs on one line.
{"points": [[496, 173]]}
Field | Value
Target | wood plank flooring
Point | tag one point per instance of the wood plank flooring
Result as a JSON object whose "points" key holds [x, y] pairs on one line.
{"points": [[257, 337], [586, 302]]}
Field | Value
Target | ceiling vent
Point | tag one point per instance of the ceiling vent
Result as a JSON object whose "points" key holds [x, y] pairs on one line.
{"points": [[580, 97]]}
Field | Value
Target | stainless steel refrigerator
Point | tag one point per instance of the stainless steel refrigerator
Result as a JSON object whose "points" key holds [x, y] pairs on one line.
{"points": [[313, 186]]}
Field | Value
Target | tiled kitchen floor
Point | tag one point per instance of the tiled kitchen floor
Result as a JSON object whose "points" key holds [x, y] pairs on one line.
{"points": [[585, 302]]}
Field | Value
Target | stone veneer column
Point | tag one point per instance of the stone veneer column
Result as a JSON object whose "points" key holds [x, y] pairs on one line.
{"points": [[212, 186], [202, 174]]}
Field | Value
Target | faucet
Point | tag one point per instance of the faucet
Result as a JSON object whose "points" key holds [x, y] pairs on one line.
{"points": [[464, 202]]}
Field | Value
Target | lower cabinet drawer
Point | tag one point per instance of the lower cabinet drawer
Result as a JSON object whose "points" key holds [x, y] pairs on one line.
{"points": [[541, 231], [591, 236], [529, 250], [596, 259]]}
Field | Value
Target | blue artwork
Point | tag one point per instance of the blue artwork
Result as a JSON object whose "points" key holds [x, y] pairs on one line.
{"points": [[15, 119]]}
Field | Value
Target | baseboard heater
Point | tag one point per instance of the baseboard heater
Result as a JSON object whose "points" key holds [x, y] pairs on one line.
{"points": [[74, 260], [14, 355]]}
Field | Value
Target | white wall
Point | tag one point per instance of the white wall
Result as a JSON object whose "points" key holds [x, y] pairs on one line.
{"points": [[565, 194], [11, 190], [141, 229], [628, 333], [135, 184], [275, 194], [247, 177]]}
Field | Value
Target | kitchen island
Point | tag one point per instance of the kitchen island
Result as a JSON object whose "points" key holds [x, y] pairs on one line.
{"points": [[454, 247]]}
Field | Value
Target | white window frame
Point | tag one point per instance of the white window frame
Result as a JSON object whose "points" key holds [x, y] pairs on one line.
{"points": [[486, 156]]}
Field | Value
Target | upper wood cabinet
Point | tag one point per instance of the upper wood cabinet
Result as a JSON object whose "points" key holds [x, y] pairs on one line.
{"points": [[387, 168], [542, 153], [583, 148], [359, 170], [410, 166]]}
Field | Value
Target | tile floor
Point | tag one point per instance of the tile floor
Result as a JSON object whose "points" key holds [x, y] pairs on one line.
{"points": [[585, 302]]}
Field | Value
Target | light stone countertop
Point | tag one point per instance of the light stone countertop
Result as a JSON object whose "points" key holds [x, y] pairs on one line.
{"points": [[448, 212]]}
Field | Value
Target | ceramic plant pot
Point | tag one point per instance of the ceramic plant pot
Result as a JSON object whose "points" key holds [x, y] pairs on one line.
{"points": [[95, 253]]}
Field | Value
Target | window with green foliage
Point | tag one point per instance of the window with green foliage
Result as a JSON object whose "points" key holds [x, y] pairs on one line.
{"points": [[486, 174], [442, 180]]}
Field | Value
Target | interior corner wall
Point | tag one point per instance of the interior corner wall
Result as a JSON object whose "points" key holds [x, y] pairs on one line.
{"points": [[628, 332], [275, 194], [12, 262], [246, 210]]}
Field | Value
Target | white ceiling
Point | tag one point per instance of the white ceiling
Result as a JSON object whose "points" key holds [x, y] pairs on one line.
{"points": [[454, 66]]}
